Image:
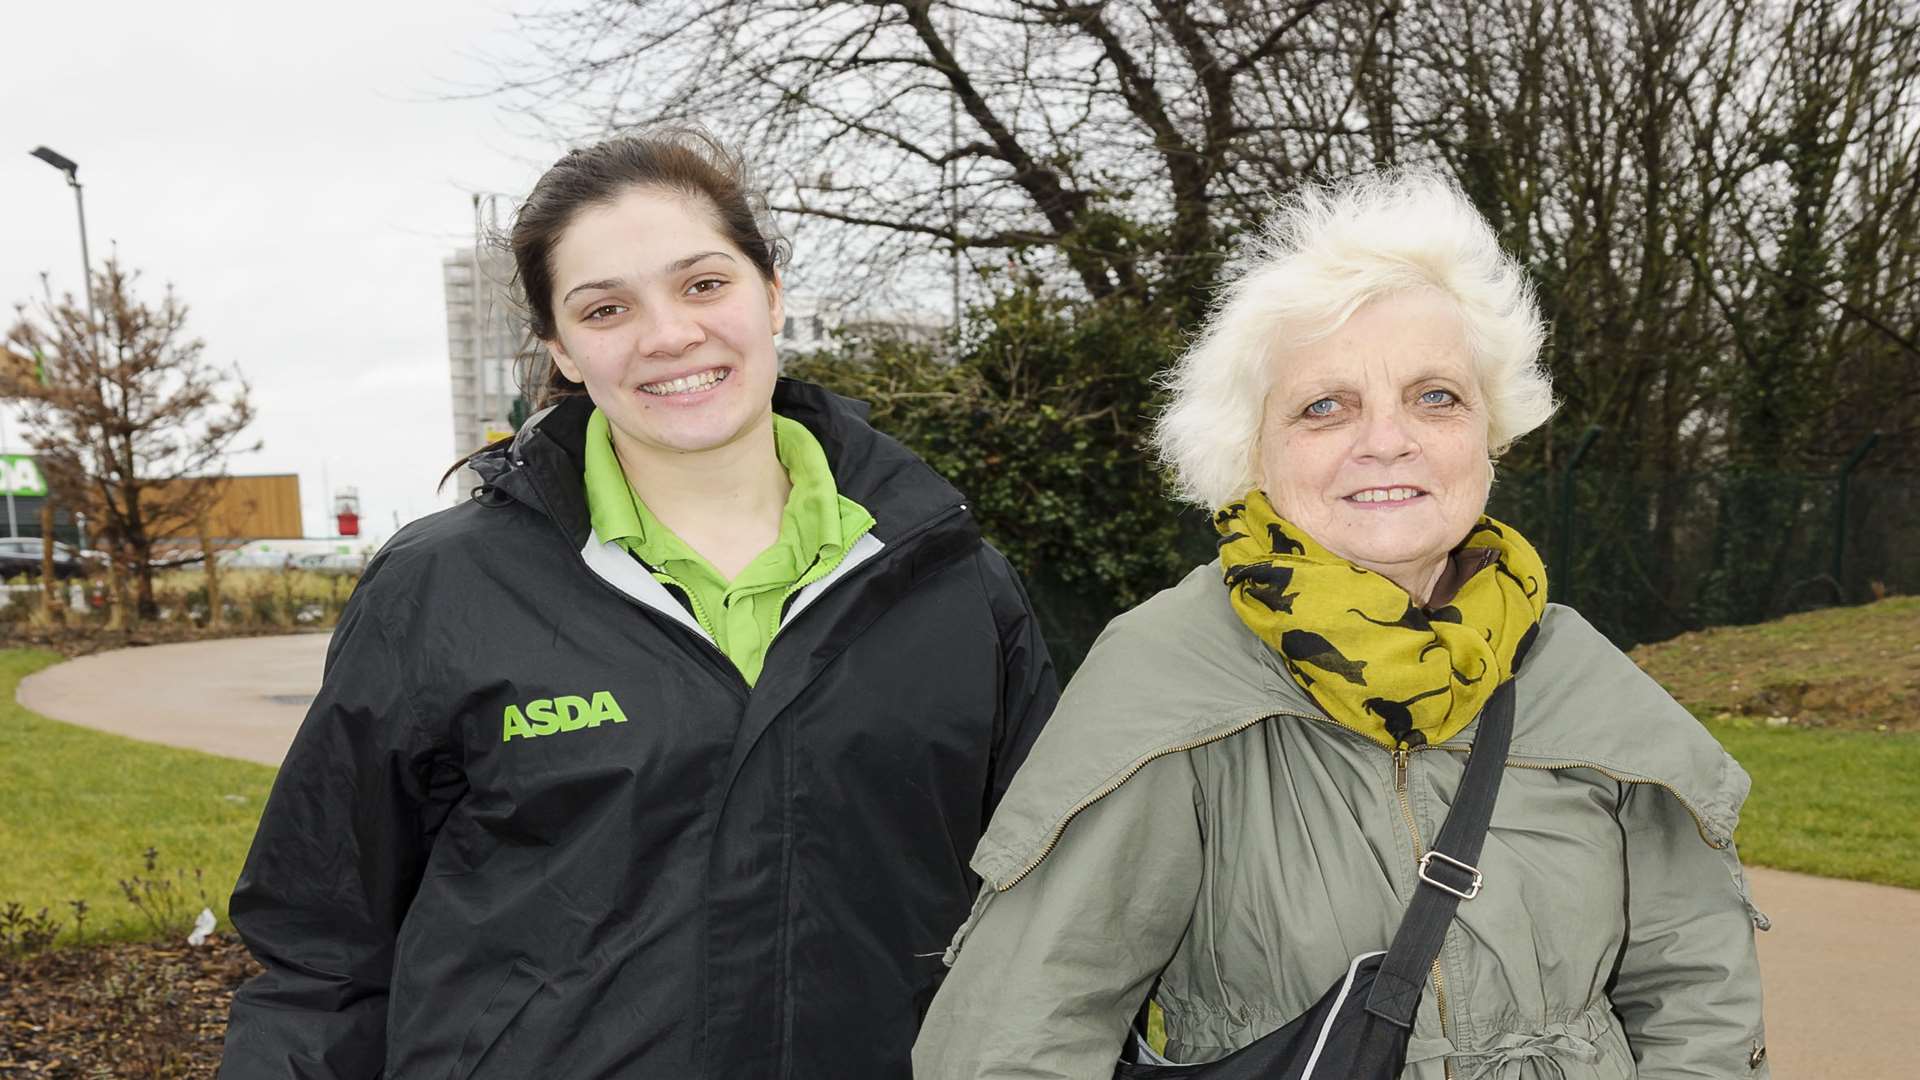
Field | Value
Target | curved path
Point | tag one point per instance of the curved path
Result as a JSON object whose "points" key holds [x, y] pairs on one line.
{"points": [[1839, 963], [239, 697]]}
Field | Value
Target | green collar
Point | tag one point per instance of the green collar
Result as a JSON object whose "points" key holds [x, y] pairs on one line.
{"points": [[811, 522], [817, 528]]}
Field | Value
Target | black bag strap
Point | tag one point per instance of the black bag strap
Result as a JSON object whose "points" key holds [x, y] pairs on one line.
{"points": [[1448, 872]]}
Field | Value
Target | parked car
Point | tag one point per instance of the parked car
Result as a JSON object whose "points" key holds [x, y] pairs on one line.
{"points": [[21, 555], [344, 564], [250, 558]]}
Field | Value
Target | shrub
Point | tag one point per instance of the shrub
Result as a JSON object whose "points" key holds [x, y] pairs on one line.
{"points": [[22, 934], [1039, 417], [167, 904]]}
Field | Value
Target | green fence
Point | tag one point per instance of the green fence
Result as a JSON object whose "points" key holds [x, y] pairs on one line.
{"points": [[1647, 557]]}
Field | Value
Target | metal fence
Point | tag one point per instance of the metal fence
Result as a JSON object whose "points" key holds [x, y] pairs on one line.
{"points": [[1647, 557]]}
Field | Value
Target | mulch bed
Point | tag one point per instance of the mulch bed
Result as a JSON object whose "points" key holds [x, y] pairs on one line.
{"points": [[94, 1012]]}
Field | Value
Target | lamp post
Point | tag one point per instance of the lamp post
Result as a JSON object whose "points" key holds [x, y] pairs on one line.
{"points": [[72, 170]]}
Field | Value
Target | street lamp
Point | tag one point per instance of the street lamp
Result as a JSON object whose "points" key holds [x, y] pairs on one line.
{"points": [[72, 168]]}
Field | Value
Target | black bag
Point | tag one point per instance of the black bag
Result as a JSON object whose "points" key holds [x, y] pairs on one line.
{"points": [[1358, 1030]]}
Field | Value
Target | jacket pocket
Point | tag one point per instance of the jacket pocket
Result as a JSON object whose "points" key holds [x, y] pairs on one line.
{"points": [[522, 981]]}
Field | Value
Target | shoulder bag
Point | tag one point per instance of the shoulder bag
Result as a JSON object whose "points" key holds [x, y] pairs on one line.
{"points": [[1358, 1030]]}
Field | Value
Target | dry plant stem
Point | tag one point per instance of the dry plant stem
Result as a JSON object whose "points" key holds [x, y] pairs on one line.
{"points": [[116, 593], [22, 934], [51, 609], [215, 613]]}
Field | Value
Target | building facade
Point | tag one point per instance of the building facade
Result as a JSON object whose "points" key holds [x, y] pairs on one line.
{"points": [[485, 334], [253, 507]]}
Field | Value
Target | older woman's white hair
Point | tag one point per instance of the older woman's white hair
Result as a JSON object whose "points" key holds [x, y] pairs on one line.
{"points": [[1326, 251]]}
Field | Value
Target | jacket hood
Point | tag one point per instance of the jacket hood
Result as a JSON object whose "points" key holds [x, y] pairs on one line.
{"points": [[1181, 670], [542, 466]]}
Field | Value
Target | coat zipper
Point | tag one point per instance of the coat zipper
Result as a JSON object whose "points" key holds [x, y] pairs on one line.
{"points": [[1127, 774], [1400, 759]]}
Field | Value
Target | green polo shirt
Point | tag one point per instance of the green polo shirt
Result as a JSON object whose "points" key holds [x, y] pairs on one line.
{"points": [[817, 528]]}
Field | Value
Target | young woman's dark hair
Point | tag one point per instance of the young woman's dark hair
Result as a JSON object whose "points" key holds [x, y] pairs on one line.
{"points": [[684, 161]]}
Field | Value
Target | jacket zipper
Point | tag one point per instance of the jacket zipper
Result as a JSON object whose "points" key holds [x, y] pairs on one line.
{"points": [[1400, 759], [1127, 774], [1108, 788]]}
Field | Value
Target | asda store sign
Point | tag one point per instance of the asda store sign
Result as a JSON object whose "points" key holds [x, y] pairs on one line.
{"points": [[20, 475]]}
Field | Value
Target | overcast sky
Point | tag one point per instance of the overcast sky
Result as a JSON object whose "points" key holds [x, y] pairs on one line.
{"points": [[297, 173]]}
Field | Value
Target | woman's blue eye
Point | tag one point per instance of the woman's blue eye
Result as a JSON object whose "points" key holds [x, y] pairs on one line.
{"points": [[1438, 397], [1323, 407]]}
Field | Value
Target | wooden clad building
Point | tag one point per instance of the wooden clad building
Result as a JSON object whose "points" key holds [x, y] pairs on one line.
{"points": [[246, 508], [253, 508]]}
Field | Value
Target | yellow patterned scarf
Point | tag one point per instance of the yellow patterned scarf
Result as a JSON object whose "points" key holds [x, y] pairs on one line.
{"points": [[1377, 662]]}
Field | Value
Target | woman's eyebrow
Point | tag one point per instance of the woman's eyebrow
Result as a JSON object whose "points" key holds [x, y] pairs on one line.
{"points": [[678, 265], [673, 267], [603, 283]]}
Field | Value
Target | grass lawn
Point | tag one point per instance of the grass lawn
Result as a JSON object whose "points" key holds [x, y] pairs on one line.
{"points": [[1823, 709], [79, 807], [1834, 803], [1845, 668], [1819, 708]]}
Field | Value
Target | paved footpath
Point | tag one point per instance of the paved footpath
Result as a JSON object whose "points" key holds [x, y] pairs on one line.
{"points": [[1841, 964], [241, 697], [1841, 973]]}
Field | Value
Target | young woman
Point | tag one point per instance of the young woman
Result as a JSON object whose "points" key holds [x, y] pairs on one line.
{"points": [[664, 755]]}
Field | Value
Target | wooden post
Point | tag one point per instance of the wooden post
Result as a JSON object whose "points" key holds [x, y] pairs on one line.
{"points": [[118, 618], [212, 565], [51, 607]]}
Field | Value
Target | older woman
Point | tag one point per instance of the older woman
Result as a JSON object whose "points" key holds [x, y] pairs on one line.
{"points": [[1232, 800]]}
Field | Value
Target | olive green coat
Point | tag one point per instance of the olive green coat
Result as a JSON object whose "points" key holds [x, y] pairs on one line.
{"points": [[1191, 824]]}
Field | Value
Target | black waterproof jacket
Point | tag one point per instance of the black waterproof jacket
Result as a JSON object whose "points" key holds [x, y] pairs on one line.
{"points": [[662, 872]]}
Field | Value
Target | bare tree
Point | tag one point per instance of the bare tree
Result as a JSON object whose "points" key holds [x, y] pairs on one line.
{"points": [[130, 412], [1127, 141], [1719, 199]]}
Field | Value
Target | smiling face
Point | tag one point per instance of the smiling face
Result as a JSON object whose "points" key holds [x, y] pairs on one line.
{"points": [[667, 325], [1374, 439]]}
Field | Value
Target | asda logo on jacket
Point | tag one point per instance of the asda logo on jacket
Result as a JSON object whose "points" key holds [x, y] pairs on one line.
{"points": [[569, 712]]}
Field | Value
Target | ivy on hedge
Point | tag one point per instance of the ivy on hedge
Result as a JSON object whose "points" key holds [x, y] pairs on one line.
{"points": [[1039, 415]]}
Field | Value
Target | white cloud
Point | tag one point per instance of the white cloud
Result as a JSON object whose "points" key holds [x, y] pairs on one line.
{"points": [[297, 175]]}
